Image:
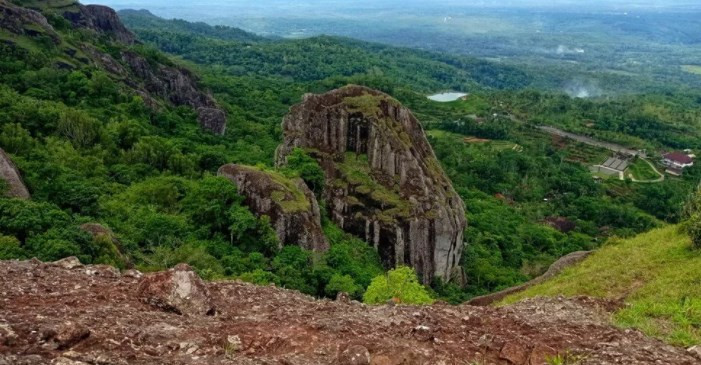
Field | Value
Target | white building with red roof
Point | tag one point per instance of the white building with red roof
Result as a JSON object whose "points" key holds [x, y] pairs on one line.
{"points": [[676, 162]]}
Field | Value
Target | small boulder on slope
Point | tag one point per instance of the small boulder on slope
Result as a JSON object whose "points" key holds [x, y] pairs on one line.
{"points": [[179, 290]]}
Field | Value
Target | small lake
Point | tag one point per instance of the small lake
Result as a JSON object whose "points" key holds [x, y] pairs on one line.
{"points": [[446, 97]]}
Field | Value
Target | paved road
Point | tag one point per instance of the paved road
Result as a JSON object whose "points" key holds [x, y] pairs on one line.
{"points": [[592, 142]]}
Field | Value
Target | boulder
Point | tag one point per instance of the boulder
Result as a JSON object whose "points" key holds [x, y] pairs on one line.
{"points": [[68, 263], [12, 178], [290, 204], [70, 334], [212, 119], [354, 355], [179, 290], [515, 353], [383, 181]]}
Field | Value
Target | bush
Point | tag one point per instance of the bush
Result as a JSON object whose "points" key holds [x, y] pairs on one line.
{"points": [[300, 163], [342, 283], [10, 248], [260, 277], [694, 230], [692, 211], [400, 285]]}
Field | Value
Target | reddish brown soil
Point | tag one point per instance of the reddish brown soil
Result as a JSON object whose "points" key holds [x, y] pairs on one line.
{"points": [[93, 315]]}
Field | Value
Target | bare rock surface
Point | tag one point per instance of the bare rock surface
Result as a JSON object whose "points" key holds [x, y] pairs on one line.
{"points": [[53, 315], [293, 209], [178, 290], [10, 176], [383, 181], [23, 21]]}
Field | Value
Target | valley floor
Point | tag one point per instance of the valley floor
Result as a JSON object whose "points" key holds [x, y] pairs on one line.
{"points": [[68, 313]]}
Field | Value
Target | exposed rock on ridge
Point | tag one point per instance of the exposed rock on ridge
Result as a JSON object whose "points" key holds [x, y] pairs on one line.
{"points": [[178, 86], [82, 314], [383, 181], [11, 177], [23, 21], [151, 80], [101, 19], [291, 206]]}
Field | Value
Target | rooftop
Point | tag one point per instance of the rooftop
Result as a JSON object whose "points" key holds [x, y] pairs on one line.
{"points": [[679, 157]]}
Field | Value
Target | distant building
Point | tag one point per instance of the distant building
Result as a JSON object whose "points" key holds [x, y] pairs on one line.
{"points": [[679, 160], [676, 162]]}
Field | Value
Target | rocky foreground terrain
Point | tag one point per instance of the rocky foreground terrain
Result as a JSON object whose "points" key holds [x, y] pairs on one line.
{"points": [[70, 314]]}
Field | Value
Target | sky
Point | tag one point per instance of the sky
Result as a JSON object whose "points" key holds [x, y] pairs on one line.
{"points": [[398, 3]]}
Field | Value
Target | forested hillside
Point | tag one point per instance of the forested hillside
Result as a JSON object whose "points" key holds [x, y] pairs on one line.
{"points": [[98, 142]]}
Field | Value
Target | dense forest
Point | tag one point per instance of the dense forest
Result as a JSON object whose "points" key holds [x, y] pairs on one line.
{"points": [[91, 149]]}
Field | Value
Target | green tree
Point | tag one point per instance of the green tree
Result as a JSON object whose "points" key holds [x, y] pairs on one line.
{"points": [[400, 284], [342, 283], [300, 163]]}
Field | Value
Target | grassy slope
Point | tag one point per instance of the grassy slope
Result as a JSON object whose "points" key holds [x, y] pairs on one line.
{"points": [[656, 274], [641, 170]]}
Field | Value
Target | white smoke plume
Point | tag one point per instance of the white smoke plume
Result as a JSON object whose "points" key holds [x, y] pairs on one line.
{"points": [[583, 89]]}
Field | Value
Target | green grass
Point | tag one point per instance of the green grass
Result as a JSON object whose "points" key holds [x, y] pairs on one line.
{"points": [[641, 170], [471, 104], [657, 275], [694, 69]]}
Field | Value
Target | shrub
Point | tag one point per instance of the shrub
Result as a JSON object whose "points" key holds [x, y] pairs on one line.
{"points": [[10, 248], [342, 283], [260, 277], [400, 285], [694, 229]]}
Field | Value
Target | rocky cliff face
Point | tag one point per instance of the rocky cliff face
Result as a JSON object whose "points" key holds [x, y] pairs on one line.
{"points": [[101, 19], [291, 206], [151, 80], [9, 175], [178, 86], [383, 181], [22, 21]]}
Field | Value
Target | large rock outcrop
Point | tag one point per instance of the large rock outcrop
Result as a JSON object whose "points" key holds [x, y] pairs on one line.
{"points": [[291, 206], [101, 19], [178, 86], [9, 175], [383, 181], [23, 21], [169, 82]]}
